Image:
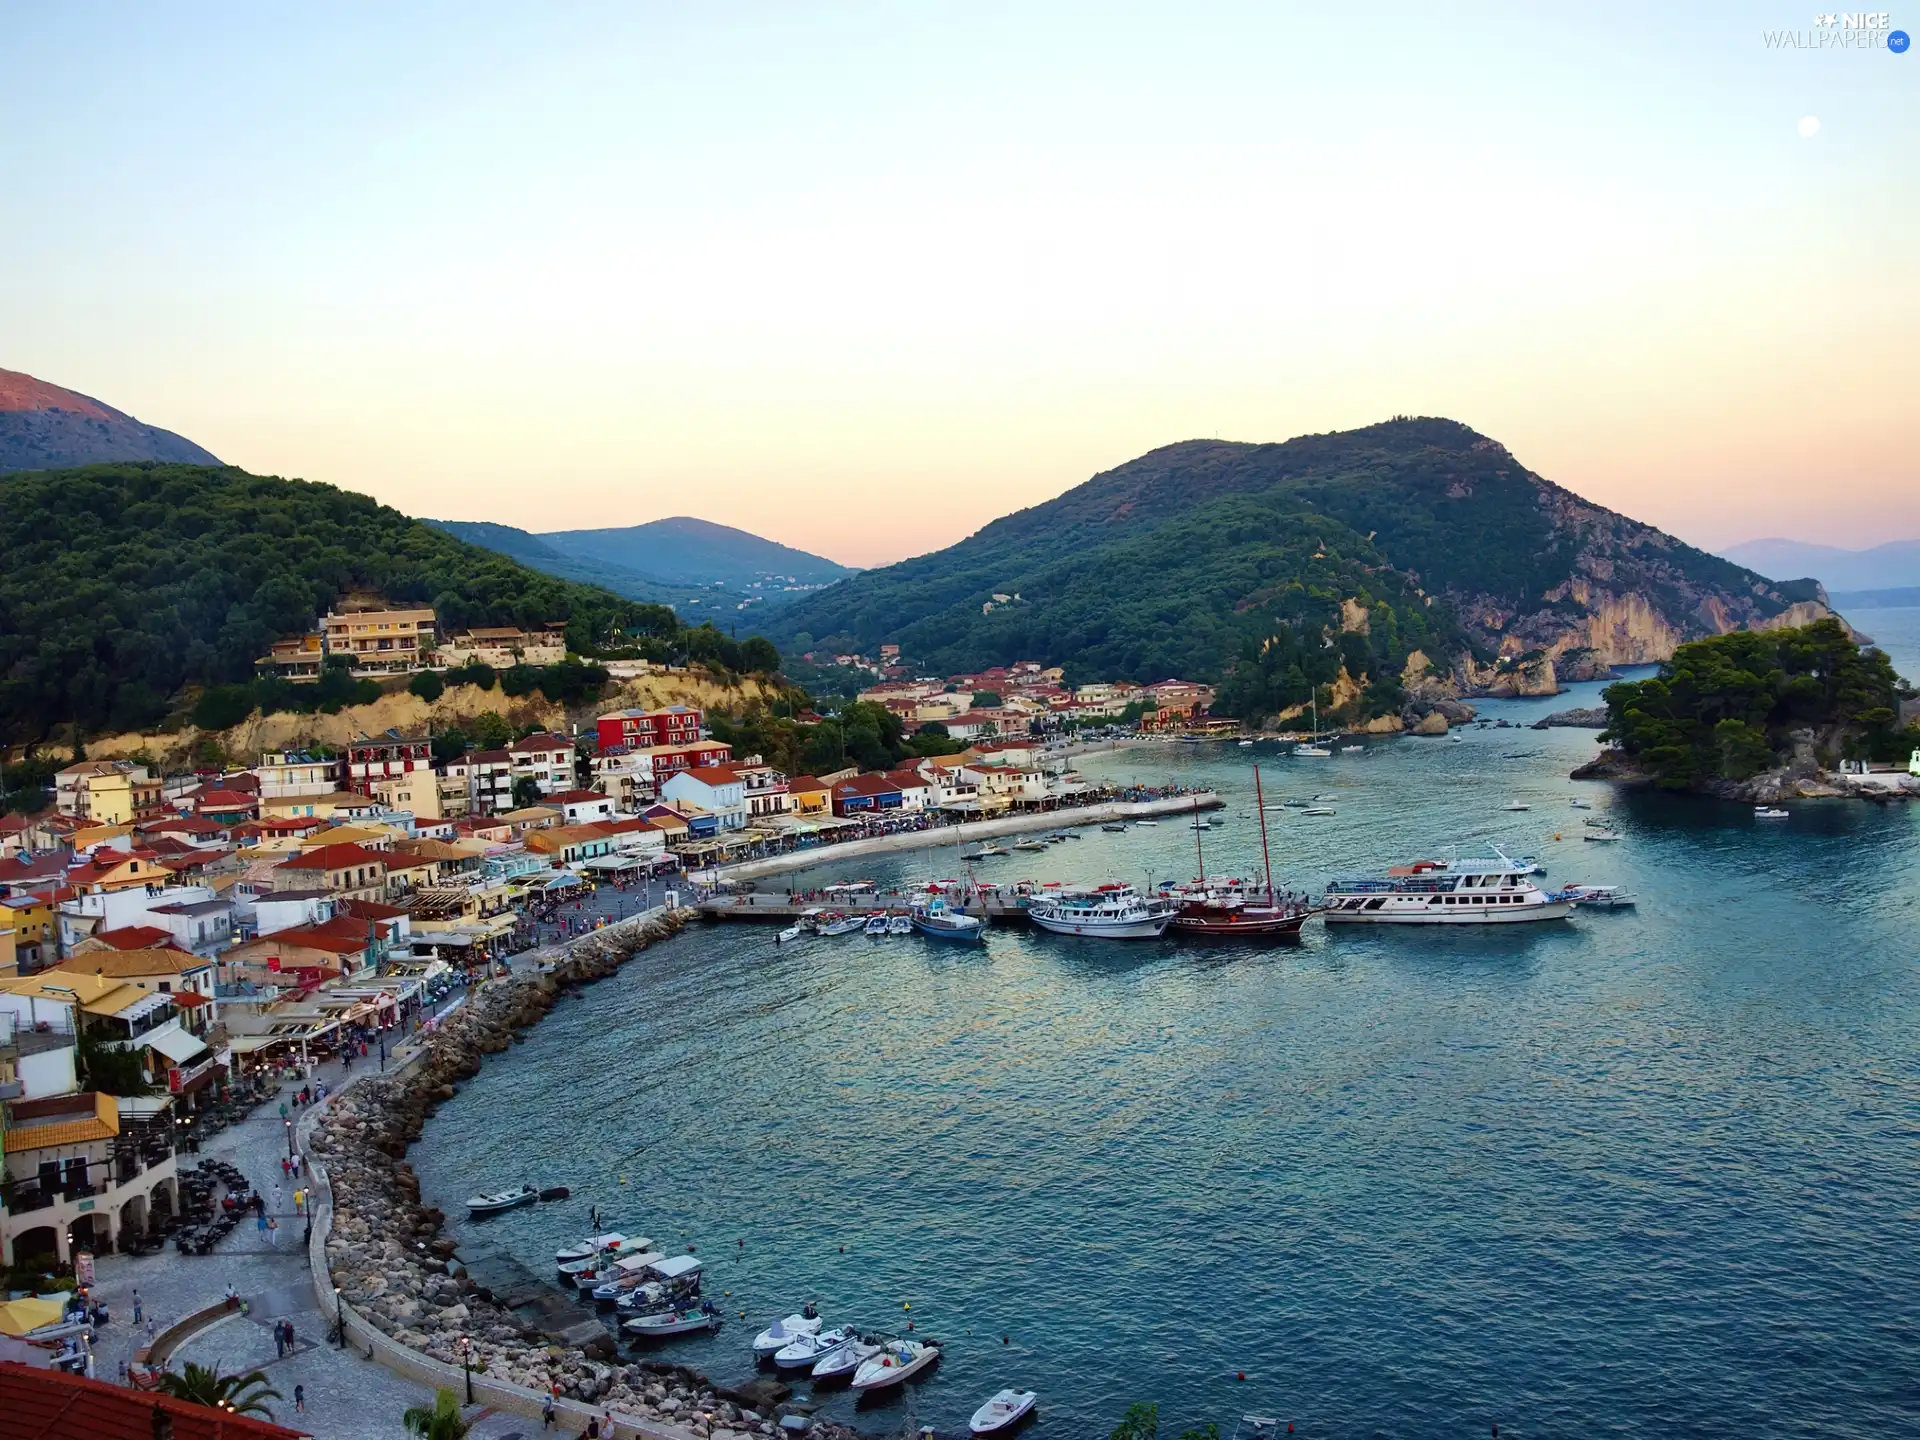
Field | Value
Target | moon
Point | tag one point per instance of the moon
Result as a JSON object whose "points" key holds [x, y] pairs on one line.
{"points": [[1809, 126]]}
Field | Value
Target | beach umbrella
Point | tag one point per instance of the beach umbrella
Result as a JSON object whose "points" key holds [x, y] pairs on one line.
{"points": [[17, 1317]]}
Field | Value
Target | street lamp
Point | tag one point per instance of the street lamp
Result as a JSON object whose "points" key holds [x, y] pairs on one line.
{"points": [[466, 1364], [289, 1125], [339, 1321]]}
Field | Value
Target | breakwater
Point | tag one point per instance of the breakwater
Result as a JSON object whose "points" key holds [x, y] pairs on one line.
{"points": [[396, 1285]]}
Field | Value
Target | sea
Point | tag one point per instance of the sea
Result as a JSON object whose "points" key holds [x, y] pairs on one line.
{"points": [[1643, 1172]]}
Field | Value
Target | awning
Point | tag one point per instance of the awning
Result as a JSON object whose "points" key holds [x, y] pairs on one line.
{"points": [[177, 1045], [614, 862]]}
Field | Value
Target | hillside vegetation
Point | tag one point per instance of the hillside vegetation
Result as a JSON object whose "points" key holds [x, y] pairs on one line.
{"points": [[125, 583], [1192, 557], [1731, 707]]}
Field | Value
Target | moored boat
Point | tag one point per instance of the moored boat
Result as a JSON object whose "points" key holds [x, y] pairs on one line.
{"points": [[782, 1333], [1114, 911], [1601, 897], [899, 924], [807, 1351], [1769, 812], [898, 1360], [1498, 891], [835, 923], [1114, 827], [682, 1320], [498, 1200], [877, 923], [603, 1258], [1009, 1407], [587, 1247], [844, 1361], [940, 921]]}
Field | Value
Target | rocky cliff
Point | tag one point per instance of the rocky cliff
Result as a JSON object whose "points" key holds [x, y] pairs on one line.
{"points": [[45, 427]]}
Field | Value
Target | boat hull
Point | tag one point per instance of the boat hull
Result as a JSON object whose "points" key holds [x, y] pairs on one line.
{"points": [[1420, 913], [1150, 928], [1241, 927], [989, 1421], [871, 1377]]}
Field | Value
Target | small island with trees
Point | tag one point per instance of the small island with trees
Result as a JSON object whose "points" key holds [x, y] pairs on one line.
{"points": [[1760, 716]]}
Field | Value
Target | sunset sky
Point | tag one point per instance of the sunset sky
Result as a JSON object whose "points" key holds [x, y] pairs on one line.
{"points": [[862, 277]]}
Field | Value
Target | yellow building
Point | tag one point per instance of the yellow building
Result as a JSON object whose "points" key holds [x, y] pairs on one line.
{"points": [[30, 923], [810, 798]]}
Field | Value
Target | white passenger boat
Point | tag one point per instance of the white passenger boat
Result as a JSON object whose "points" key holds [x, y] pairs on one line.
{"points": [[499, 1200], [898, 1360], [1113, 911], [782, 1333], [844, 1361], [684, 1320], [807, 1351], [1004, 1411], [1431, 892], [1769, 812]]}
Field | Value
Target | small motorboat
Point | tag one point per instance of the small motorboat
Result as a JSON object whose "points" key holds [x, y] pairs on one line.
{"points": [[587, 1247], [807, 1351], [1601, 897], [1244, 744], [1318, 810], [1006, 1409], [1030, 846], [877, 923], [1600, 820], [838, 924], [791, 933], [1601, 836], [1312, 752], [623, 1277], [1580, 804], [844, 1361], [685, 1320], [1146, 822], [498, 1200], [1349, 749], [782, 1333], [604, 1258], [898, 1360], [1516, 805], [1114, 828], [1294, 804], [1200, 825], [900, 924], [1768, 812]]}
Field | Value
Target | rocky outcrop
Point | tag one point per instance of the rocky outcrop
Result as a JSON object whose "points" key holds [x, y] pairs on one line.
{"points": [[1507, 679], [394, 1267], [1589, 717], [1432, 723]]}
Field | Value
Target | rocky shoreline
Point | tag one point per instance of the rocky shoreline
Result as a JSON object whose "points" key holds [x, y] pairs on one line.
{"points": [[1791, 782], [396, 1269]]}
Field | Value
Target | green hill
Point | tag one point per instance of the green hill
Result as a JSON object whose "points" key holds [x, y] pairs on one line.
{"points": [[124, 583], [533, 551], [1189, 559]]}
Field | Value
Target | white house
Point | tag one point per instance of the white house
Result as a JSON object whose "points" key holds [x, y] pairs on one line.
{"points": [[545, 758], [292, 772], [718, 789]]}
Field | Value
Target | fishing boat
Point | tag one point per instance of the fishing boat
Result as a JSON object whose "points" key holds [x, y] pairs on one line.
{"points": [[844, 1361], [898, 1360], [1601, 897], [587, 1247], [616, 1273], [619, 1249], [1009, 1407], [1769, 812], [877, 923], [940, 921], [782, 1333], [498, 1200], [1234, 910], [899, 924], [835, 923], [1497, 891], [675, 1282], [803, 1352], [681, 1320], [1113, 911]]}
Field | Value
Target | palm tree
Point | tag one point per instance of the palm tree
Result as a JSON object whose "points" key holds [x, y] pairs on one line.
{"points": [[441, 1422], [237, 1394]]}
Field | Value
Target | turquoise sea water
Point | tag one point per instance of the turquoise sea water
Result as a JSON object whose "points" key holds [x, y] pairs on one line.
{"points": [[1641, 1173]]}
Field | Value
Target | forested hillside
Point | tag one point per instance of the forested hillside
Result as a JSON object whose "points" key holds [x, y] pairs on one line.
{"points": [[1173, 563], [124, 583]]}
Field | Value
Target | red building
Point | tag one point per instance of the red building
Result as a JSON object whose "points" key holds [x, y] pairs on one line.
{"points": [[381, 757], [645, 729]]}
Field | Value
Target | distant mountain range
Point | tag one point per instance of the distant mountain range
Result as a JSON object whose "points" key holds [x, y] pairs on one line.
{"points": [[693, 565], [1852, 577], [43, 427], [1206, 557]]}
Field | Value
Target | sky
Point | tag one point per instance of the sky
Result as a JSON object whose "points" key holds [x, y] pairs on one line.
{"points": [[863, 277]]}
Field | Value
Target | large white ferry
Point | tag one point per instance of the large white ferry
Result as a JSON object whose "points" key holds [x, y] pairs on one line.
{"points": [[1445, 892], [1111, 912]]}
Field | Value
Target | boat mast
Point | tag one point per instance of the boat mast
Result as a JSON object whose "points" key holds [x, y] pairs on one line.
{"points": [[1199, 854], [1260, 801]]}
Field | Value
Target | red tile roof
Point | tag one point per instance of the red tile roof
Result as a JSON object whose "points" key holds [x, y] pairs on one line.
{"points": [[572, 797], [135, 937], [335, 857], [52, 1405], [546, 740]]}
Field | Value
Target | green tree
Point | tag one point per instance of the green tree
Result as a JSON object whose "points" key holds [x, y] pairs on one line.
{"points": [[986, 700], [239, 1394], [758, 655], [113, 1069], [1141, 1422], [439, 1421], [526, 791], [427, 685], [490, 730]]}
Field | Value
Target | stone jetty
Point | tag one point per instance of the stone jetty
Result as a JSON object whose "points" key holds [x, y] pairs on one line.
{"points": [[396, 1271]]}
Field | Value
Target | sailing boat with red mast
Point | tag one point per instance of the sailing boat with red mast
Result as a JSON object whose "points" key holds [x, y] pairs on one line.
{"points": [[1235, 910]]}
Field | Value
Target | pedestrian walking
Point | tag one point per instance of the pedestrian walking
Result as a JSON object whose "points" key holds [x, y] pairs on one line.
{"points": [[279, 1342], [136, 1304], [273, 1232], [546, 1410], [299, 1202], [149, 1330], [260, 1224], [300, 1399], [276, 1199]]}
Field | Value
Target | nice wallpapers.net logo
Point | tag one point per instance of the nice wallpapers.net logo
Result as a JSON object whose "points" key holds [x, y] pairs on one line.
{"points": [[1842, 31]]}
